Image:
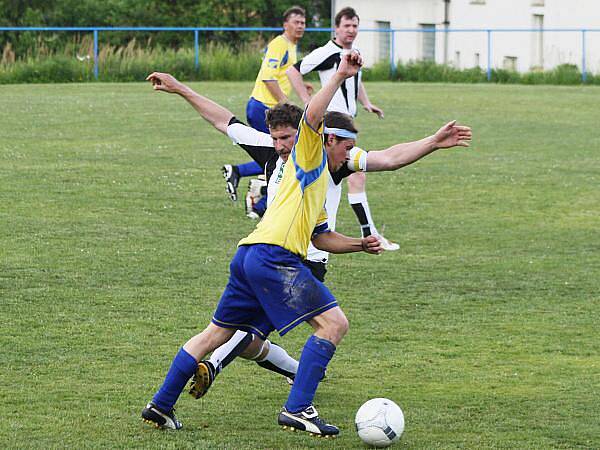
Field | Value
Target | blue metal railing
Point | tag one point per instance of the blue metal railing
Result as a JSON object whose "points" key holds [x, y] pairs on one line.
{"points": [[391, 31]]}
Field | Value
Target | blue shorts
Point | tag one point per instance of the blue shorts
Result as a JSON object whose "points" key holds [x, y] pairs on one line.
{"points": [[255, 113], [270, 289]]}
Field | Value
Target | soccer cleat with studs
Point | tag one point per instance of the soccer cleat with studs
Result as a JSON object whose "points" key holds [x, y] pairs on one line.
{"points": [[232, 178], [154, 416], [307, 420], [202, 379]]}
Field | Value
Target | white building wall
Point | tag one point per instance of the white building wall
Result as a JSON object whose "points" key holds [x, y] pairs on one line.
{"points": [[465, 49]]}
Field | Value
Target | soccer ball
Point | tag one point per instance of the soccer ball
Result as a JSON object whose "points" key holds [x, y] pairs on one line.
{"points": [[379, 422]]}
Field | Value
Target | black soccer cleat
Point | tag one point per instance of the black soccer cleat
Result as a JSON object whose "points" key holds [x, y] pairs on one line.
{"points": [[202, 379], [232, 178], [152, 415], [307, 420]]}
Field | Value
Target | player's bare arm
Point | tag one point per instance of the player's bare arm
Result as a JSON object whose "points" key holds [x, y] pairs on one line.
{"points": [[215, 114], [363, 98], [297, 82], [349, 66], [275, 90], [400, 155], [334, 242]]}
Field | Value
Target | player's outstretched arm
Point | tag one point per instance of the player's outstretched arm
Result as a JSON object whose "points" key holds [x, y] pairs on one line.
{"points": [[400, 155], [349, 66], [215, 114], [297, 82], [334, 242]]}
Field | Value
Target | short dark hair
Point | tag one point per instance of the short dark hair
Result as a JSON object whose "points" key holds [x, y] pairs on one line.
{"points": [[283, 115], [335, 119], [293, 10], [348, 13]]}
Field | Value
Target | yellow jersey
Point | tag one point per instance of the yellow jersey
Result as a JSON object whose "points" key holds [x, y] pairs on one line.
{"points": [[298, 209], [280, 55]]}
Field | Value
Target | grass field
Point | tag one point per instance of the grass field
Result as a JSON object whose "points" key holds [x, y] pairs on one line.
{"points": [[116, 235]]}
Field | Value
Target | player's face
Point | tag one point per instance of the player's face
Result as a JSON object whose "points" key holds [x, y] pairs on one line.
{"points": [[294, 27], [346, 32], [283, 140], [337, 151]]}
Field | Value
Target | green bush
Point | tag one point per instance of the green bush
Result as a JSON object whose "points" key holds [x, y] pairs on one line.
{"points": [[219, 62]]}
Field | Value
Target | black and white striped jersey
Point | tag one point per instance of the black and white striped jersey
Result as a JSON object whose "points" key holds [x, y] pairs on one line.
{"points": [[326, 60]]}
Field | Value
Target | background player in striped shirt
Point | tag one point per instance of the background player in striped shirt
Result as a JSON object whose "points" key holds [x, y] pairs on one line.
{"points": [[325, 61]]}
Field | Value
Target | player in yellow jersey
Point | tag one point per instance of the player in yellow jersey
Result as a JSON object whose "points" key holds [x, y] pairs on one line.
{"points": [[271, 87], [269, 288]]}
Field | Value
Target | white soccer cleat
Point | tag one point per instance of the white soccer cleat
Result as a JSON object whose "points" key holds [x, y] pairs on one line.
{"points": [[388, 245]]}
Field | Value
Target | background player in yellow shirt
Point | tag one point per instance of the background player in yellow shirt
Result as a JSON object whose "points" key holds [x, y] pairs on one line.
{"points": [[272, 86]]}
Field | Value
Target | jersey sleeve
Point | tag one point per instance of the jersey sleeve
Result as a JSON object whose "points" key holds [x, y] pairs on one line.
{"points": [[357, 160], [322, 226], [257, 144], [274, 55], [319, 59]]}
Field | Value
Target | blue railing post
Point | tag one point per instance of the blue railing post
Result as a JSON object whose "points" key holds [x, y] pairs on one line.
{"points": [[392, 52], [96, 54], [583, 61], [489, 55], [196, 51]]}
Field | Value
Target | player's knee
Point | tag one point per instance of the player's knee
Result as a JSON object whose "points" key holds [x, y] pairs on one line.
{"points": [[337, 326], [357, 182], [255, 349]]}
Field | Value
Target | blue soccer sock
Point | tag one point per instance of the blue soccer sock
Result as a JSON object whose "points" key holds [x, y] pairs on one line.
{"points": [[249, 169], [315, 356], [182, 368]]}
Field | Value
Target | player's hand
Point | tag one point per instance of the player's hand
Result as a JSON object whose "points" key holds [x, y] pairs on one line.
{"points": [[374, 109], [350, 64], [451, 135], [164, 82], [372, 244]]}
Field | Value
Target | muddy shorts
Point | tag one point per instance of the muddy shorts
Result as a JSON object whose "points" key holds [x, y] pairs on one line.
{"points": [[270, 289]]}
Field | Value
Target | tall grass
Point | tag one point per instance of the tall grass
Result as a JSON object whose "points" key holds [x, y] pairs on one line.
{"points": [[74, 63], [131, 63]]}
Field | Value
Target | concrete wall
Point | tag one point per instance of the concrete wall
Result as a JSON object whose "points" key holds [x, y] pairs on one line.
{"points": [[523, 50]]}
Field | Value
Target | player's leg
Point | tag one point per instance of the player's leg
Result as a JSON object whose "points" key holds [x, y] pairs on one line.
{"points": [[255, 113], [248, 346], [289, 294], [238, 306], [159, 412], [299, 413], [357, 197]]}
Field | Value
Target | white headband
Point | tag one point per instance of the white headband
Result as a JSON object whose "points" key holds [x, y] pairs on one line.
{"points": [[340, 132]]}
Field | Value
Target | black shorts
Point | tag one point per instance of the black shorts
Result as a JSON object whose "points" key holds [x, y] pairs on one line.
{"points": [[318, 269]]}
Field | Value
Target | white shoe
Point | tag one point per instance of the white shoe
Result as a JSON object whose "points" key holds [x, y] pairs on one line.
{"points": [[387, 245]]}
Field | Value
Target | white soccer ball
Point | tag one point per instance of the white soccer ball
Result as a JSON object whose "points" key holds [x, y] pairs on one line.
{"points": [[379, 422]]}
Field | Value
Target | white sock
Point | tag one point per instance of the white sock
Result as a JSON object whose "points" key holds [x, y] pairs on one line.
{"points": [[221, 353], [359, 202], [279, 358]]}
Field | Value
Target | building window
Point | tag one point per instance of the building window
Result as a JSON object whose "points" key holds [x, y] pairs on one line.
{"points": [[510, 63], [383, 40], [476, 62], [427, 42]]}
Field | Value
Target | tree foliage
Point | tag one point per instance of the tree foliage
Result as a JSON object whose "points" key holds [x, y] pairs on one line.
{"points": [[155, 13]]}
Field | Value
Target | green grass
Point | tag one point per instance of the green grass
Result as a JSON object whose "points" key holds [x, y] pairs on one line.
{"points": [[116, 235]]}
